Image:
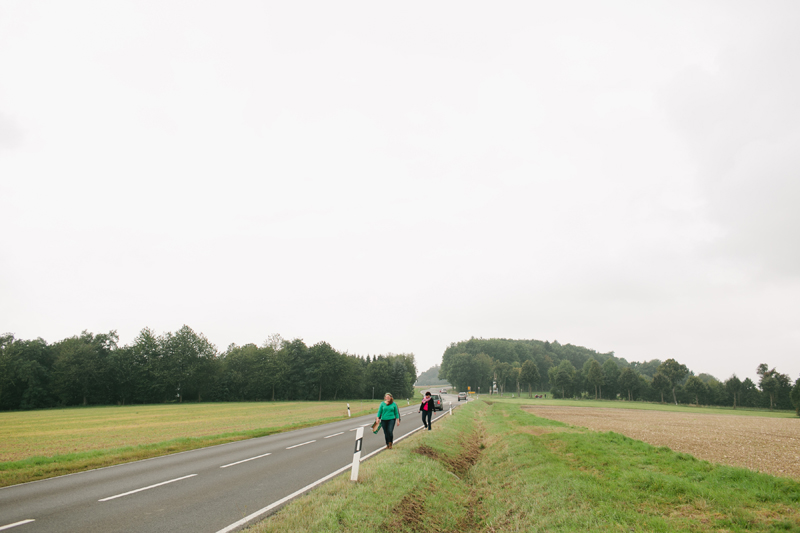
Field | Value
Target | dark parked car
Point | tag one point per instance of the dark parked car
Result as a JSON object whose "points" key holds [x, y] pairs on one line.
{"points": [[462, 396], [438, 405]]}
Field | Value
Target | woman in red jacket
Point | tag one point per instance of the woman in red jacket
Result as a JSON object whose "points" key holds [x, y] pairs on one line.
{"points": [[426, 408]]}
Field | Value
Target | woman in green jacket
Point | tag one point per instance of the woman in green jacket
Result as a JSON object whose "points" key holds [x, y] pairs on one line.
{"points": [[388, 414]]}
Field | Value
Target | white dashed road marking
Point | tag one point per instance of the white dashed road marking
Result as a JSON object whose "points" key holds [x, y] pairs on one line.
{"points": [[146, 488], [245, 460], [15, 524], [301, 444]]}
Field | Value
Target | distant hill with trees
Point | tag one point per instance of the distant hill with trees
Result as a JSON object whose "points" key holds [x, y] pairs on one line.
{"points": [[566, 370], [430, 378]]}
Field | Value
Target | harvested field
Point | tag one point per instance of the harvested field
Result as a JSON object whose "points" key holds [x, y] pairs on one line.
{"points": [[50, 432], [769, 445]]}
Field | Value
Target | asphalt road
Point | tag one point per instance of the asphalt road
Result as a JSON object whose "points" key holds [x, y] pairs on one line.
{"points": [[206, 490]]}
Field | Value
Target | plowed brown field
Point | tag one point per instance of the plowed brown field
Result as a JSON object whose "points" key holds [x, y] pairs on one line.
{"points": [[770, 445]]}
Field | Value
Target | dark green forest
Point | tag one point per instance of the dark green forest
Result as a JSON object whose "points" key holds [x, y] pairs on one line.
{"points": [[91, 369], [568, 371]]}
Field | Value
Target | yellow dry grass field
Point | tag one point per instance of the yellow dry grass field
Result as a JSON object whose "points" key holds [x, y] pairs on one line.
{"points": [[769, 445], [25, 434]]}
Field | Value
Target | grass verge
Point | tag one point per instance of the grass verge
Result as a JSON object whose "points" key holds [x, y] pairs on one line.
{"points": [[493, 467], [49, 443]]}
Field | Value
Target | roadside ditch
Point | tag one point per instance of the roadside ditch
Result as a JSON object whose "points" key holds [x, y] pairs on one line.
{"points": [[413, 513]]}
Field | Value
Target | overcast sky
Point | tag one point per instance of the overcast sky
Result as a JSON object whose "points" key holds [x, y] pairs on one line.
{"points": [[394, 177]]}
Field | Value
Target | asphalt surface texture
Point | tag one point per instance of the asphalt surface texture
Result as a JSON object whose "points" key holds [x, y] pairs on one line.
{"points": [[217, 489]]}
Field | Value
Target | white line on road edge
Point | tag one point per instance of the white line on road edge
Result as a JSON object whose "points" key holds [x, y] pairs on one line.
{"points": [[245, 460], [329, 436], [301, 444], [273, 505], [268, 508], [15, 524], [146, 488]]}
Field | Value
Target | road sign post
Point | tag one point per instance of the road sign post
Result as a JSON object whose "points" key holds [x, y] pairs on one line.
{"points": [[357, 454]]}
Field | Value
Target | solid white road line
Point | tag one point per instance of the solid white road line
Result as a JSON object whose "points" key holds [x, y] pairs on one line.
{"points": [[273, 505], [15, 524], [340, 433], [146, 488], [245, 460], [268, 508], [301, 444]]}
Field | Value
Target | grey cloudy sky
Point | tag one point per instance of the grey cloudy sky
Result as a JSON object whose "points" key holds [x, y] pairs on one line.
{"points": [[395, 177]]}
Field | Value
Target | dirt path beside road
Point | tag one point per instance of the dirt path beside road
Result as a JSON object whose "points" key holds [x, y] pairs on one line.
{"points": [[769, 445]]}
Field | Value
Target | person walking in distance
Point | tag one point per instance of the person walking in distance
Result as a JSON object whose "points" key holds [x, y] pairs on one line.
{"points": [[388, 415], [426, 408]]}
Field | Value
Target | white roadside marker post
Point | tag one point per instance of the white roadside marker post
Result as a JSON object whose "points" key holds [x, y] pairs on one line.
{"points": [[451, 408], [348, 410], [357, 454]]}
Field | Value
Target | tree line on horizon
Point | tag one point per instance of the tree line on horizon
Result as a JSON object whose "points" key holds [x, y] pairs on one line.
{"points": [[92, 369], [569, 371]]}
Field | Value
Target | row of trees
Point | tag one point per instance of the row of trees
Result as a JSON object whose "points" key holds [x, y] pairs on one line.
{"points": [[94, 369], [573, 371], [478, 363]]}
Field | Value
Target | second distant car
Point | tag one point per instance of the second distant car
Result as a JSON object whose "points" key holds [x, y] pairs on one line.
{"points": [[438, 405], [462, 396]]}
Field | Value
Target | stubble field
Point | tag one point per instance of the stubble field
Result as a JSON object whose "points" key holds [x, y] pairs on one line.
{"points": [[769, 445]]}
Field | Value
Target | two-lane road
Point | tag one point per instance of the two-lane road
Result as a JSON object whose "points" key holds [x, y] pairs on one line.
{"points": [[205, 490]]}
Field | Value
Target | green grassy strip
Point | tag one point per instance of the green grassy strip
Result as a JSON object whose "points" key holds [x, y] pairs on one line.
{"points": [[392, 477], [646, 406], [38, 467], [534, 474]]}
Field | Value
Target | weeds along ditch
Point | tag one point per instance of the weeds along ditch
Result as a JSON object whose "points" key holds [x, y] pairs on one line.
{"points": [[493, 467]]}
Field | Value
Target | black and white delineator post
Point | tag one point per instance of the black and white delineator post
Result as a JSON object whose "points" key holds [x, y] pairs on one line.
{"points": [[451, 407], [348, 410], [357, 454]]}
